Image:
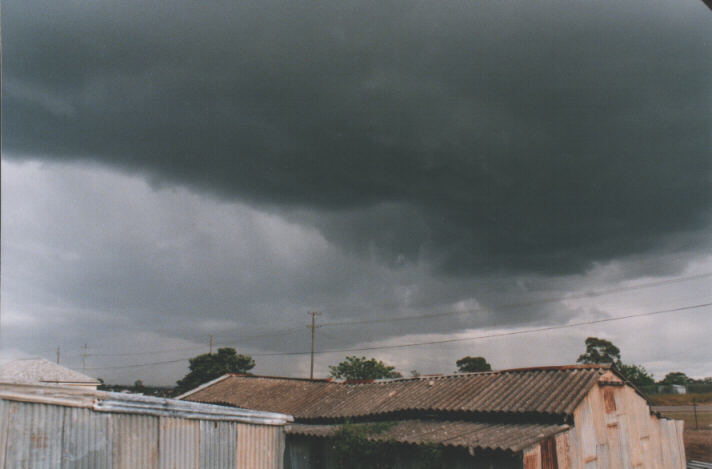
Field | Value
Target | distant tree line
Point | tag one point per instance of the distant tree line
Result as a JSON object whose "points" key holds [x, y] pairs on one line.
{"points": [[137, 388], [603, 351], [209, 366]]}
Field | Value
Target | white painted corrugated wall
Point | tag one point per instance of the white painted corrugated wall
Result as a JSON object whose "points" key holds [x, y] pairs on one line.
{"points": [[45, 436], [87, 441], [135, 441], [217, 444]]}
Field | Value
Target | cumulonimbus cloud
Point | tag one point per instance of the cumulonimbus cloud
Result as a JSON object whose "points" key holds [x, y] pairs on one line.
{"points": [[481, 137]]}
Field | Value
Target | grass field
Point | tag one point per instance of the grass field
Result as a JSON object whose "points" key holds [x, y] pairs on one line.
{"points": [[680, 399], [704, 419]]}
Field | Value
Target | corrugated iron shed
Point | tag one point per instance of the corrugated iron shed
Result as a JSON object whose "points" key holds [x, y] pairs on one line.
{"points": [[480, 436], [544, 391], [137, 404], [55, 427]]}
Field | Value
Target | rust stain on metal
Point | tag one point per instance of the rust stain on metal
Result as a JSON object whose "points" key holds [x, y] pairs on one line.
{"points": [[531, 461], [38, 440], [563, 450], [609, 400], [548, 454]]}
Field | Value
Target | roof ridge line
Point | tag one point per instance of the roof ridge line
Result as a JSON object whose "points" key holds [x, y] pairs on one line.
{"points": [[584, 366], [291, 378]]}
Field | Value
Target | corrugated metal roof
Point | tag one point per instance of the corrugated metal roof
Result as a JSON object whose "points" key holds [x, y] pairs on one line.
{"points": [[483, 436], [699, 465], [41, 371], [139, 404], [550, 391]]}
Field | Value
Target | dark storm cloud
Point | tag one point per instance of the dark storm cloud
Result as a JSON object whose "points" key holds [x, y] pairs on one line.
{"points": [[493, 136]]}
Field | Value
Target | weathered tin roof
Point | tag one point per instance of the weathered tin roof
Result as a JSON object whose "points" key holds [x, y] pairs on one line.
{"points": [[549, 391], [476, 435], [114, 402], [41, 371]]}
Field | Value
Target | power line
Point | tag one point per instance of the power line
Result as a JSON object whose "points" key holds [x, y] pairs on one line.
{"points": [[501, 334], [592, 294], [443, 341], [146, 352], [257, 336], [137, 365], [182, 349]]}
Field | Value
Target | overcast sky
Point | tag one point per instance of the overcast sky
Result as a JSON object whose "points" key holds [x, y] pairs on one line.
{"points": [[175, 170]]}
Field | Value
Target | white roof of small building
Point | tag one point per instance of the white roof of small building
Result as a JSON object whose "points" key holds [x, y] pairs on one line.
{"points": [[41, 371]]}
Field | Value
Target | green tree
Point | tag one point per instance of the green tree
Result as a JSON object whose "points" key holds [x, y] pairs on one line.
{"points": [[206, 367], [472, 364], [676, 377], [363, 368], [707, 380], [636, 374], [600, 351]]}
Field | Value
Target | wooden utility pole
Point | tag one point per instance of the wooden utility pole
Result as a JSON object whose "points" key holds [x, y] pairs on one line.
{"points": [[84, 357], [211, 344], [313, 314], [57, 355]]}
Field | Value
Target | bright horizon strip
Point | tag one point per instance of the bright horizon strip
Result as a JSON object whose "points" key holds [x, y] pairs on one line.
{"points": [[441, 341]]}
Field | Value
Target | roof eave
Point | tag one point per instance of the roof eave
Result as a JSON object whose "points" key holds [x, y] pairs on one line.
{"points": [[203, 386]]}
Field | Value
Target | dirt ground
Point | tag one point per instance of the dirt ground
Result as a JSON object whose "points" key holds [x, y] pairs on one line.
{"points": [[698, 445]]}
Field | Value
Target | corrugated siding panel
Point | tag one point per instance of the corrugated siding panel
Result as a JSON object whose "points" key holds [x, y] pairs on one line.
{"points": [[179, 443], [135, 441], [259, 447], [625, 446], [563, 450], [218, 443], [39, 427], [672, 430], [45, 436], [548, 454], [4, 408], [532, 458], [586, 431], [86, 440], [574, 449]]}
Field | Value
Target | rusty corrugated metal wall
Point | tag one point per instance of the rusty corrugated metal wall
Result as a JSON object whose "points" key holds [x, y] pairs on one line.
{"points": [[46, 436], [614, 429]]}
